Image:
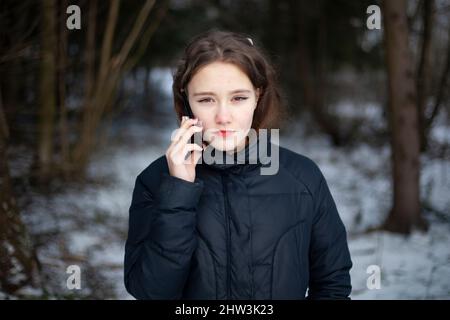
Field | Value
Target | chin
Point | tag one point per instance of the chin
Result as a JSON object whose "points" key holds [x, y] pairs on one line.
{"points": [[224, 144]]}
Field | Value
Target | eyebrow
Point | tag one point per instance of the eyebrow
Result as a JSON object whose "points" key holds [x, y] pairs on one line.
{"points": [[213, 94]]}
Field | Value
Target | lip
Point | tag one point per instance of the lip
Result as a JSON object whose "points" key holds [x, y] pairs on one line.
{"points": [[224, 133]]}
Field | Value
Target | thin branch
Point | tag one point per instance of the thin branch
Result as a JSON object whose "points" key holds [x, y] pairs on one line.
{"points": [[443, 87], [145, 39], [108, 39], [136, 30]]}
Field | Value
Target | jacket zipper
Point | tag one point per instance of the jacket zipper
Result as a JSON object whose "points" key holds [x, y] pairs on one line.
{"points": [[227, 220]]}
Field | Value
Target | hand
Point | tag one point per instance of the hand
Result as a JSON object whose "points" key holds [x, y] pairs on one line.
{"points": [[180, 166]]}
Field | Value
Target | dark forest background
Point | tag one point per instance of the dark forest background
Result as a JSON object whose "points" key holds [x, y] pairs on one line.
{"points": [[67, 94]]}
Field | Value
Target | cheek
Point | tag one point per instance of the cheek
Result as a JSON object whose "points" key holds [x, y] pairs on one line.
{"points": [[204, 115], [245, 117], [207, 121]]}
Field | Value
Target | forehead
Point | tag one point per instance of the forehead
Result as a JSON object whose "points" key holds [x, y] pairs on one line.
{"points": [[219, 77]]}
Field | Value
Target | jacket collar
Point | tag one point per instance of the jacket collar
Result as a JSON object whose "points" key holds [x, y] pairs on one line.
{"points": [[246, 159]]}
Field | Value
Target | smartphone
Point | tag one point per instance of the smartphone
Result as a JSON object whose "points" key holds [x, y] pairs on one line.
{"points": [[197, 137]]}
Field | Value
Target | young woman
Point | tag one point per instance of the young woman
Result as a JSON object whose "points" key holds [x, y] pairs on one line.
{"points": [[222, 229]]}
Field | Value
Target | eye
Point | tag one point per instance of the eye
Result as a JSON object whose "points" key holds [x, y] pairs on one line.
{"points": [[240, 98], [205, 100]]}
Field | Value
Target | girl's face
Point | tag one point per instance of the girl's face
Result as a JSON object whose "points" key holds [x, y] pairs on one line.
{"points": [[224, 99]]}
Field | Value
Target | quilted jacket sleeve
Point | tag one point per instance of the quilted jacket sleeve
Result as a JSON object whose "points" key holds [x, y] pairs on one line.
{"points": [[329, 255], [161, 237]]}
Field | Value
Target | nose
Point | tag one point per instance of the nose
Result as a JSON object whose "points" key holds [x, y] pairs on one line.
{"points": [[223, 115]]}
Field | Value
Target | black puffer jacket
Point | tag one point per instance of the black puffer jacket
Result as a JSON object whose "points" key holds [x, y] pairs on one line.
{"points": [[236, 234]]}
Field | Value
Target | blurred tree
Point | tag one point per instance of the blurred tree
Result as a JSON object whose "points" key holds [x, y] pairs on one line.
{"points": [[405, 142], [326, 38], [99, 95], [62, 62], [47, 91], [311, 72], [67, 137], [432, 78], [424, 68], [19, 266], [18, 261], [440, 96], [18, 38]]}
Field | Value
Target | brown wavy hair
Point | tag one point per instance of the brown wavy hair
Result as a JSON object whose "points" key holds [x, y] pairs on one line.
{"points": [[235, 48]]}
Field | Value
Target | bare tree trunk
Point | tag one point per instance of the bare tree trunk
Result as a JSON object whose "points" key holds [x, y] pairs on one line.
{"points": [[405, 141], [442, 92], [424, 69], [47, 90], [62, 66], [89, 77], [92, 109], [110, 71], [311, 75], [18, 262], [89, 82]]}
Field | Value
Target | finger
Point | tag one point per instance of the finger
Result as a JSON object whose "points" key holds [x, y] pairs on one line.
{"points": [[196, 155], [191, 147], [184, 139], [177, 154], [177, 133], [187, 135], [189, 150], [189, 122], [185, 124], [193, 158]]}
